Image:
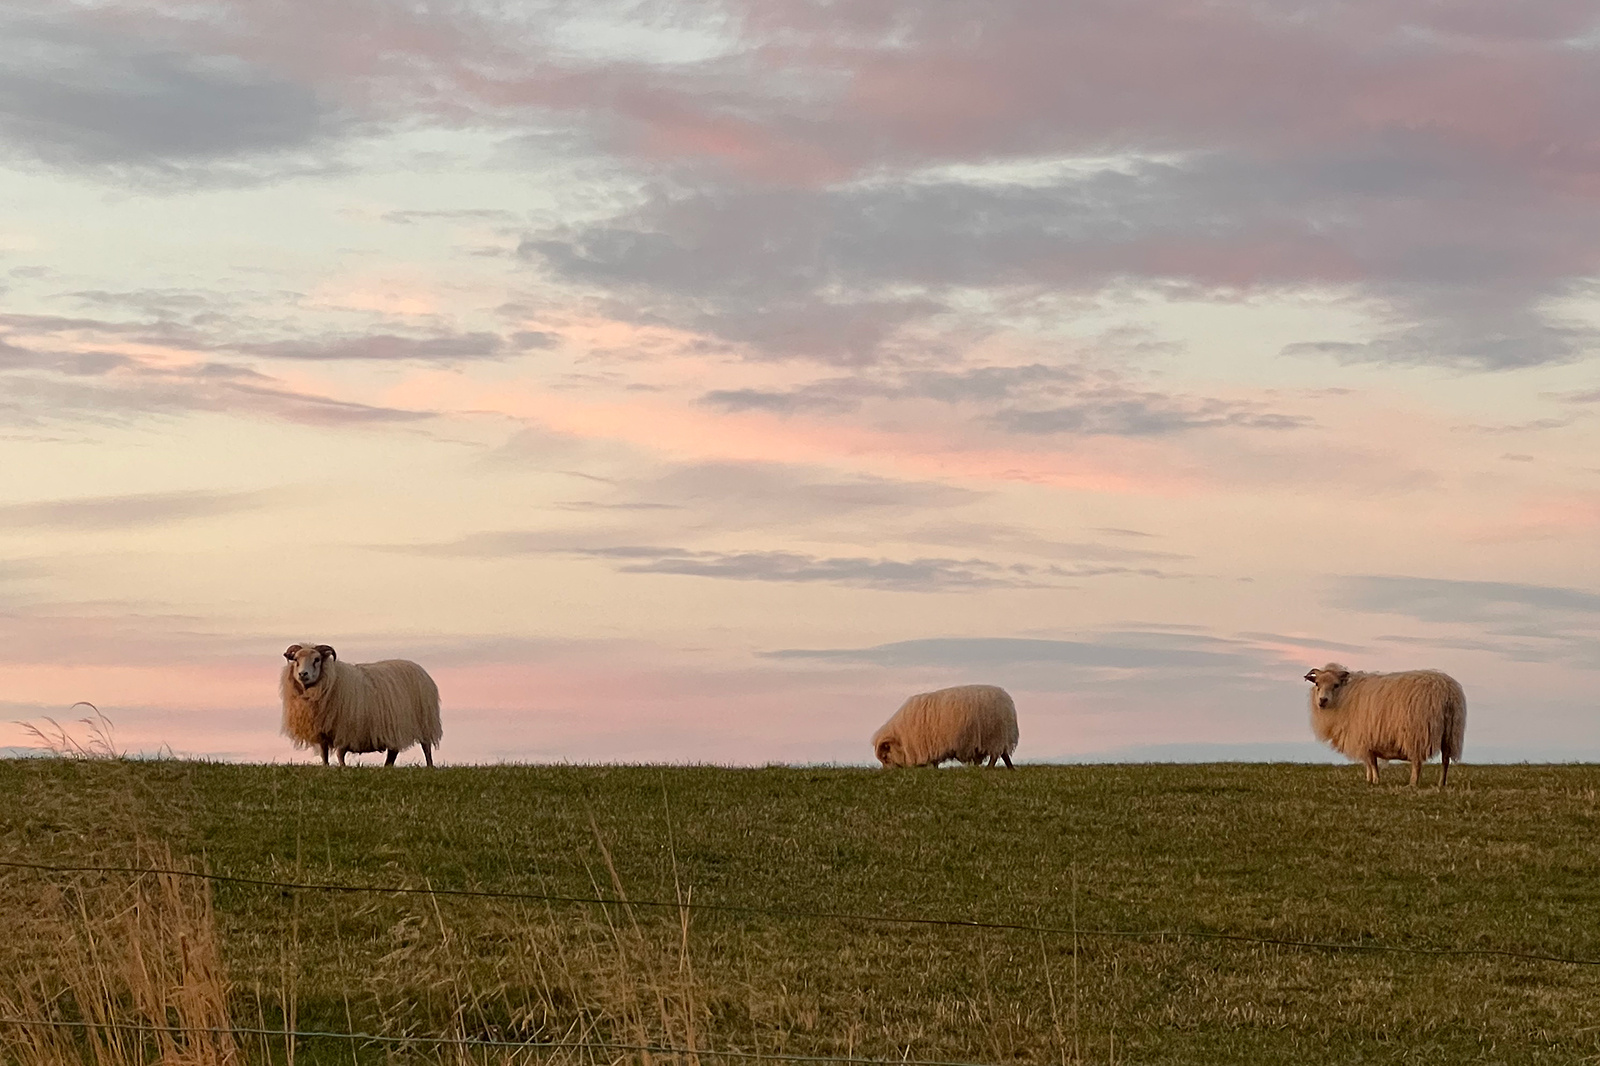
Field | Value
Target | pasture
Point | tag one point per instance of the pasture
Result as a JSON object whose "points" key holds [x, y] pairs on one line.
{"points": [[1507, 860]]}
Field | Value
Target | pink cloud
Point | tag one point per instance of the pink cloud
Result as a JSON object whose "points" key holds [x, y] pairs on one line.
{"points": [[1115, 465]]}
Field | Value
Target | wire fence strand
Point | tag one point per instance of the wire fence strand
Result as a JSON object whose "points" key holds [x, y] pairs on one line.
{"points": [[468, 1043], [841, 916]]}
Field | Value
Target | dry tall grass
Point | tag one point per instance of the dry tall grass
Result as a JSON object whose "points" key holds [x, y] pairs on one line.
{"points": [[128, 970], [56, 739], [138, 977]]}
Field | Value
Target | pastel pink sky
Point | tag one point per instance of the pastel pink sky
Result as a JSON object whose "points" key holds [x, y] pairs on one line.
{"points": [[694, 382]]}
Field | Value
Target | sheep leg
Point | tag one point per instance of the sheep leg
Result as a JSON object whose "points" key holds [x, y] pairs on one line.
{"points": [[1372, 769], [993, 759], [1416, 772], [1444, 768], [1007, 758], [324, 746], [392, 753], [341, 755], [427, 753]]}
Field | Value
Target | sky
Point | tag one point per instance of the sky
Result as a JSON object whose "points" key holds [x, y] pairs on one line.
{"points": [[694, 382]]}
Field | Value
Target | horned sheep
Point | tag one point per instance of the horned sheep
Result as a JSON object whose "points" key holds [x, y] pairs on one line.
{"points": [[1413, 716], [968, 723], [357, 707]]}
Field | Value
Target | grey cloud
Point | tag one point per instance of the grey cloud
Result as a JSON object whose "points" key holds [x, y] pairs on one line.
{"points": [[1472, 338], [845, 394], [130, 393], [1113, 650], [1022, 542], [123, 512], [741, 262], [1307, 642], [785, 403], [771, 491], [80, 97], [528, 339], [481, 214], [1143, 415], [159, 330], [1099, 404], [384, 346], [1524, 623], [44, 385], [916, 575], [913, 575], [1440, 600], [730, 495]]}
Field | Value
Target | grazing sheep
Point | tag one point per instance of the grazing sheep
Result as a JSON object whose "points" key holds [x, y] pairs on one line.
{"points": [[1412, 716], [359, 707], [969, 723]]}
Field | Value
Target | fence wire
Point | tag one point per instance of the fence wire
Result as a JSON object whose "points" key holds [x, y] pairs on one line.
{"points": [[881, 919], [469, 1043]]}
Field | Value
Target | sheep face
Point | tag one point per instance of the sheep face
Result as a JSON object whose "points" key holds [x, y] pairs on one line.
{"points": [[885, 752], [307, 662], [1325, 684]]}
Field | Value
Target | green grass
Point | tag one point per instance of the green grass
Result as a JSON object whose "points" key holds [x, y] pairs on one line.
{"points": [[1508, 858]]}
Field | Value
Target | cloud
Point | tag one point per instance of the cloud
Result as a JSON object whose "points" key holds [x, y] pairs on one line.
{"points": [[826, 186], [912, 575], [1441, 176], [119, 513], [776, 492], [1440, 600], [1144, 415], [124, 390], [446, 348], [1100, 403], [1112, 650], [1523, 623], [749, 265], [480, 214], [529, 339], [915, 575], [83, 98]]}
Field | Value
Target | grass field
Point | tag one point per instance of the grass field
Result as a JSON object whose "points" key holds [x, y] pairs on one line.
{"points": [[1509, 858]]}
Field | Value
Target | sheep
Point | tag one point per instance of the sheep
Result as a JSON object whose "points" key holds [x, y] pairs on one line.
{"points": [[1411, 715], [357, 707], [969, 723]]}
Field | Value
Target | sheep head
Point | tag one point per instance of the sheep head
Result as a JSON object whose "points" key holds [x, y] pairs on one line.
{"points": [[884, 749], [307, 661], [1325, 683]]}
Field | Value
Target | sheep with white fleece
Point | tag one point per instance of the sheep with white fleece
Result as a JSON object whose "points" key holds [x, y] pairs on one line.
{"points": [[1413, 715], [357, 707], [968, 723]]}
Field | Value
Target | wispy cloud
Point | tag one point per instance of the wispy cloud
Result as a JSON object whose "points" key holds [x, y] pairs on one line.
{"points": [[117, 513], [1024, 399], [1443, 600], [387, 346], [905, 575], [1525, 623]]}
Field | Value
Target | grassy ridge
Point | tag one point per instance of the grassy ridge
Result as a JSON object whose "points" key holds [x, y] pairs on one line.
{"points": [[1509, 858]]}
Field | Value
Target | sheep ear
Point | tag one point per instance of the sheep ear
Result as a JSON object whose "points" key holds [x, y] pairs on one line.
{"points": [[1311, 676], [294, 649], [1341, 675], [327, 650]]}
